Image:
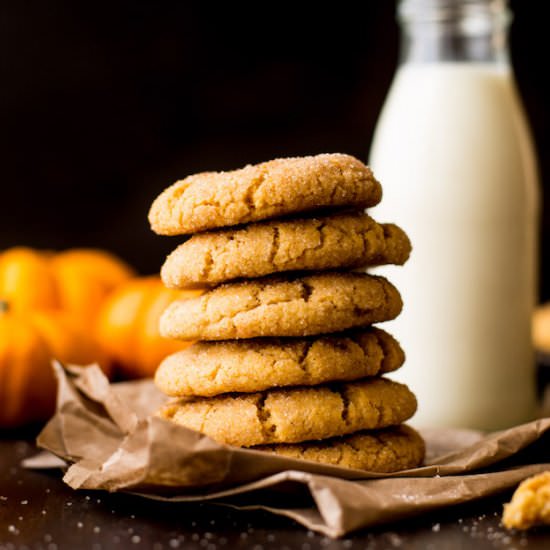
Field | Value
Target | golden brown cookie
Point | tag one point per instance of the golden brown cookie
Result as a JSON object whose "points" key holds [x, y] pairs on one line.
{"points": [[530, 504], [211, 368], [295, 414], [348, 240], [382, 451], [262, 191], [275, 306]]}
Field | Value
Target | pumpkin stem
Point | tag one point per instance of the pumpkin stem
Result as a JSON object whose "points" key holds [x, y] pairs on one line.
{"points": [[4, 306]]}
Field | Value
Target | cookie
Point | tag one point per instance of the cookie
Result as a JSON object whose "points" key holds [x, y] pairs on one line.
{"points": [[350, 240], [381, 451], [262, 191], [211, 368], [295, 414], [275, 306], [530, 504]]}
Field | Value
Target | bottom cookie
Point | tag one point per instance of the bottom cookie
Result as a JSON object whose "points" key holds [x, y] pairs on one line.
{"points": [[381, 451]]}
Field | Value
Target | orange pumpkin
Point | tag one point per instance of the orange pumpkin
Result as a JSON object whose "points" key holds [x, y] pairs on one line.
{"points": [[49, 304], [28, 342], [75, 281], [128, 325]]}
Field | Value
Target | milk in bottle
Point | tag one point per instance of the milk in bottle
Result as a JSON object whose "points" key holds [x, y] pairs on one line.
{"points": [[454, 154]]}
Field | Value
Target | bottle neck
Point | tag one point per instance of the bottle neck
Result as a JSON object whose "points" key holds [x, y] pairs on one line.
{"points": [[473, 31]]}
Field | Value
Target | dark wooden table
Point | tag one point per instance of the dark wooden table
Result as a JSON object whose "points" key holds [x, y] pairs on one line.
{"points": [[38, 511]]}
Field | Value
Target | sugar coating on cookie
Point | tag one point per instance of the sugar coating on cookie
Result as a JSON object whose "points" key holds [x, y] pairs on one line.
{"points": [[212, 368], [530, 504], [276, 306], [350, 240], [296, 414], [381, 451], [262, 191]]}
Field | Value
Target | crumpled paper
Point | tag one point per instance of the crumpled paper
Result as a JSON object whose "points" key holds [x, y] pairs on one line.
{"points": [[109, 440]]}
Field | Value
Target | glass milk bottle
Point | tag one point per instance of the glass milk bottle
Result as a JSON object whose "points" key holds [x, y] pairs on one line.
{"points": [[455, 157]]}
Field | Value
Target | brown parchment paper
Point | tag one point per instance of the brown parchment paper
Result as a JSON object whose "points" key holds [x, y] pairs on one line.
{"points": [[108, 440]]}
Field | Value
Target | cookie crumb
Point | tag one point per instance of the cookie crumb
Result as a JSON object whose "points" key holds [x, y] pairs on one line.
{"points": [[530, 504]]}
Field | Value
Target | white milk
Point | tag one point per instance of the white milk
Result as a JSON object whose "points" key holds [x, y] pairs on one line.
{"points": [[455, 159]]}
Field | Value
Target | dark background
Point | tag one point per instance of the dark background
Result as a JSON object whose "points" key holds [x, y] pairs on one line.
{"points": [[104, 105]]}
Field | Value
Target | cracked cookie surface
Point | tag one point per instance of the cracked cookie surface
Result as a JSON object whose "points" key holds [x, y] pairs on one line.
{"points": [[275, 306], [350, 240], [295, 414], [212, 368], [262, 191], [382, 451]]}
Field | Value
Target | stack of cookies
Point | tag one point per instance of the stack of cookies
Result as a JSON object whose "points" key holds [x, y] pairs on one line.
{"points": [[286, 357]]}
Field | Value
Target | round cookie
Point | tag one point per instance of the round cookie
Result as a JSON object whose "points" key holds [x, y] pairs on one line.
{"points": [[275, 306], [267, 190], [348, 240], [381, 451], [212, 368], [295, 414]]}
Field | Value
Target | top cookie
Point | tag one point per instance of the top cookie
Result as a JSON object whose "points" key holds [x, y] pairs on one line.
{"points": [[256, 192]]}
